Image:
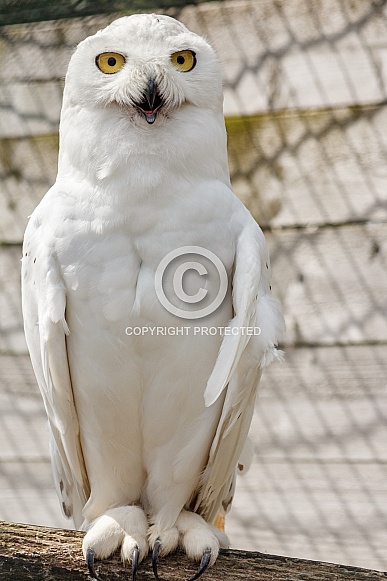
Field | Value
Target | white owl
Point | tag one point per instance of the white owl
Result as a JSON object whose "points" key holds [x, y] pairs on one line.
{"points": [[146, 424]]}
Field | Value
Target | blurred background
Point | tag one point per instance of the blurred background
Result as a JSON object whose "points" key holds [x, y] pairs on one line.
{"points": [[306, 113]]}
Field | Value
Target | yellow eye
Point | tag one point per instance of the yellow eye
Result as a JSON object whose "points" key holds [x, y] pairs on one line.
{"points": [[183, 60], [110, 62]]}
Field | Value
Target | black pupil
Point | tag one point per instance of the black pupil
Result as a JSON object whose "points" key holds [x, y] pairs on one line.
{"points": [[181, 60], [111, 61]]}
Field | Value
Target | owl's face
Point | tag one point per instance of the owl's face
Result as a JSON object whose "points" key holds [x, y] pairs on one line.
{"points": [[147, 66]]}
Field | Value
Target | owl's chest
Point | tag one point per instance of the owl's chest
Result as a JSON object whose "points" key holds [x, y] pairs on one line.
{"points": [[121, 269], [110, 289]]}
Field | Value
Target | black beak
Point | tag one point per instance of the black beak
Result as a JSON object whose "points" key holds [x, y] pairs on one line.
{"points": [[151, 102], [151, 93]]}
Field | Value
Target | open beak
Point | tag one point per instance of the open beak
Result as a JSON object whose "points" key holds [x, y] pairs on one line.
{"points": [[151, 102]]}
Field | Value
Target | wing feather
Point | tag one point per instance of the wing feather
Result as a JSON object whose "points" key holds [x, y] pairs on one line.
{"points": [[239, 366], [44, 305]]}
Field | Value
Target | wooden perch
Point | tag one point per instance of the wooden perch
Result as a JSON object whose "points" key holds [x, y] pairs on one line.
{"points": [[29, 552]]}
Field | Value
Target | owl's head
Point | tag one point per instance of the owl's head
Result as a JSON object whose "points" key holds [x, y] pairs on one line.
{"points": [[146, 66]]}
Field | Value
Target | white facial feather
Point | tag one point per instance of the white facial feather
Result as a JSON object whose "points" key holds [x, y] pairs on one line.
{"points": [[146, 42]]}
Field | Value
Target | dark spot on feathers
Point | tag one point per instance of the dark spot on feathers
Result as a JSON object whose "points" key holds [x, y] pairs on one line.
{"points": [[375, 249], [226, 504], [241, 467], [300, 277], [34, 260], [67, 510], [270, 287], [61, 485], [267, 266]]}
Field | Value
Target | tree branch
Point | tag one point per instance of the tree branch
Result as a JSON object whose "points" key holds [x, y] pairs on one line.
{"points": [[29, 552]]}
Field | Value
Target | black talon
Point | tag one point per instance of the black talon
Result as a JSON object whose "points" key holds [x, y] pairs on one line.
{"points": [[136, 553], [206, 558], [90, 564], [155, 554]]}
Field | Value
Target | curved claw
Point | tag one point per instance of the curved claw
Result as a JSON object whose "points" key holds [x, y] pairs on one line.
{"points": [[90, 565], [155, 554], [136, 553], [206, 558]]}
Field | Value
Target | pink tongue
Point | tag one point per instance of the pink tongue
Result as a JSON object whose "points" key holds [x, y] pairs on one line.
{"points": [[150, 117]]}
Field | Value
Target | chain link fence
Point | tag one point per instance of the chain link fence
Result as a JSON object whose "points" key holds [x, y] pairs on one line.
{"points": [[306, 114]]}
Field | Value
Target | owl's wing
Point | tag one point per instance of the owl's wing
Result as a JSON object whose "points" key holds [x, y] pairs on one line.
{"points": [[44, 305], [248, 345]]}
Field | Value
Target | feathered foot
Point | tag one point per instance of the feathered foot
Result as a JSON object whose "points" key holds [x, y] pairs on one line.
{"points": [[205, 561], [200, 540], [123, 527]]}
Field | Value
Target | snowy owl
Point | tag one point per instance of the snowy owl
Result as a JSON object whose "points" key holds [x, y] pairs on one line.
{"points": [[148, 378]]}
